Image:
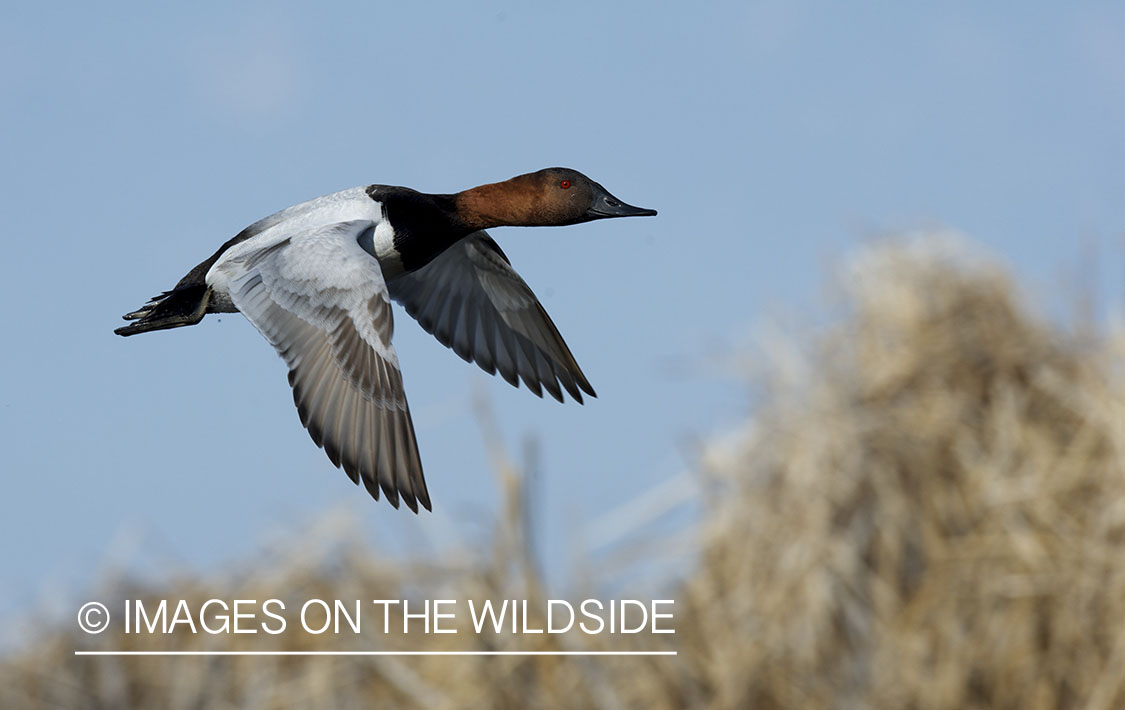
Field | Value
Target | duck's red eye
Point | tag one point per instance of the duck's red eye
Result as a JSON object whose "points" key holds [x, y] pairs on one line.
{"points": [[564, 184]]}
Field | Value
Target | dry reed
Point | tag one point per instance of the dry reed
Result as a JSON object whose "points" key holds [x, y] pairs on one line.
{"points": [[924, 510]]}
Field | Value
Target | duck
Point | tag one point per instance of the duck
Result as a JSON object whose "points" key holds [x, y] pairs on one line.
{"points": [[317, 280]]}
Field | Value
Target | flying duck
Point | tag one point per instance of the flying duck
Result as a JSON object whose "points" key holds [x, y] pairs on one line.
{"points": [[316, 279]]}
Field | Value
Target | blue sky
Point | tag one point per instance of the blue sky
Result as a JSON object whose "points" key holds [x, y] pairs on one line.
{"points": [[772, 137]]}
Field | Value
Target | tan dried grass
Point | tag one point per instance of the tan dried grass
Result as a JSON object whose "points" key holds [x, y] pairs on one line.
{"points": [[925, 510]]}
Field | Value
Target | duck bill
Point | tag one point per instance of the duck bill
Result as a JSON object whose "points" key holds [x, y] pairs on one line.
{"points": [[606, 205]]}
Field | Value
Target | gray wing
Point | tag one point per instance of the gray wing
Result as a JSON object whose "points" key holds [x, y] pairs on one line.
{"points": [[320, 300], [472, 300]]}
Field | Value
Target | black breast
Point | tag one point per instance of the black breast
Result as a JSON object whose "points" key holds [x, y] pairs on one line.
{"points": [[424, 225]]}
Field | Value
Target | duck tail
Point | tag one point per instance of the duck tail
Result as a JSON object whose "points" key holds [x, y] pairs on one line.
{"points": [[183, 305]]}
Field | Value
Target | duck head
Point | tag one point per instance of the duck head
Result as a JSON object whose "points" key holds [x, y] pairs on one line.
{"points": [[548, 197]]}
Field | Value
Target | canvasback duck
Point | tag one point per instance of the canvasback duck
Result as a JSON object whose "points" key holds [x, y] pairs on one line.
{"points": [[316, 279]]}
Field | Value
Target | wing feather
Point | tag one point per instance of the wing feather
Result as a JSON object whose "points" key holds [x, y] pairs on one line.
{"points": [[321, 301], [472, 300]]}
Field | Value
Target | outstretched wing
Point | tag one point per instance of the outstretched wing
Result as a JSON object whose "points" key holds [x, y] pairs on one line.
{"points": [[320, 300], [472, 300]]}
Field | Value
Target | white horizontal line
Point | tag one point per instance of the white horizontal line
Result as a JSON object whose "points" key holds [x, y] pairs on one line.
{"points": [[375, 653]]}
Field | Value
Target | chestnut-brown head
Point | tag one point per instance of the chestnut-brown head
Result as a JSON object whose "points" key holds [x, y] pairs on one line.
{"points": [[548, 197]]}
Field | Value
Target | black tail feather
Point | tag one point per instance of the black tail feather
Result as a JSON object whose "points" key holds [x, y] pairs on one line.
{"points": [[172, 309]]}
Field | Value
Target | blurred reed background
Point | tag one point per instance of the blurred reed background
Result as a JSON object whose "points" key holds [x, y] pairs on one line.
{"points": [[923, 510]]}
